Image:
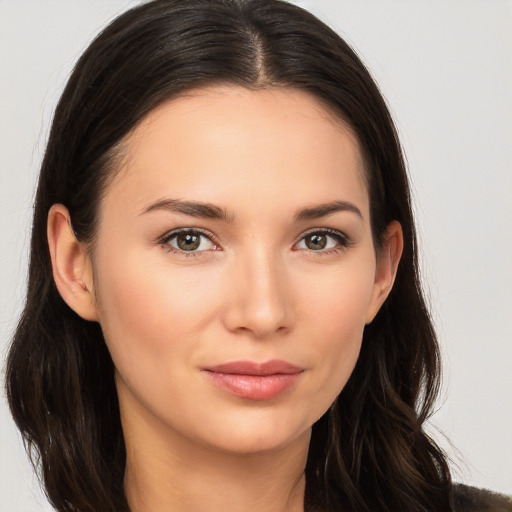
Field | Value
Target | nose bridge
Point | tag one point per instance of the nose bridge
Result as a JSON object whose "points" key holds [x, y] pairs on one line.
{"points": [[261, 303]]}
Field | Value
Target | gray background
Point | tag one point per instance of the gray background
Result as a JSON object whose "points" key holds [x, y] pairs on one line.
{"points": [[445, 68]]}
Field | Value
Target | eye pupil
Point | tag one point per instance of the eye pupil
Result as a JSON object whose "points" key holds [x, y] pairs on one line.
{"points": [[188, 241], [316, 242]]}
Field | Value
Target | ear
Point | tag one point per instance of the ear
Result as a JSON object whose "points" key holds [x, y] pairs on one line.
{"points": [[388, 258], [71, 265]]}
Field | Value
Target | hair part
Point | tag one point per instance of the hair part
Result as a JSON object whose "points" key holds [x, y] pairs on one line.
{"points": [[369, 451]]}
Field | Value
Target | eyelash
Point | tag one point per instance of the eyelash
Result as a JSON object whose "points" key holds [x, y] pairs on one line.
{"points": [[343, 242], [164, 241]]}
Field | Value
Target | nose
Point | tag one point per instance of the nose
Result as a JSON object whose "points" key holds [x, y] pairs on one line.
{"points": [[258, 297]]}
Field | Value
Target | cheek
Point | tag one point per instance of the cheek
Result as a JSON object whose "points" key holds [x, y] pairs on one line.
{"points": [[336, 311], [339, 297], [147, 311]]}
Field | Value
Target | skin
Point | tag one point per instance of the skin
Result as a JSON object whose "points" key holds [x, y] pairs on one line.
{"points": [[255, 289]]}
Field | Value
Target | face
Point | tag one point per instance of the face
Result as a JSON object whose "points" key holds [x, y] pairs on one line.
{"points": [[234, 268]]}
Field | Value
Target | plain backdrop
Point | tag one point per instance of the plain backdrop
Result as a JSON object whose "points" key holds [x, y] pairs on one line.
{"points": [[445, 67]]}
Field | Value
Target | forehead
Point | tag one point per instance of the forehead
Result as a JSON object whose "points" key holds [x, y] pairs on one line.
{"points": [[227, 143]]}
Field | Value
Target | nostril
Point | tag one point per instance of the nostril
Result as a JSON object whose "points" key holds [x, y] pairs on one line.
{"points": [[259, 322]]}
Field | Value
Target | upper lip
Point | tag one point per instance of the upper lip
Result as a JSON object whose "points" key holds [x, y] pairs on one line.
{"points": [[272, 367]]}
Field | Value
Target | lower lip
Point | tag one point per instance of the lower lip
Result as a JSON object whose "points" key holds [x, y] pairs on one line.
{"points": [[254, 387]]}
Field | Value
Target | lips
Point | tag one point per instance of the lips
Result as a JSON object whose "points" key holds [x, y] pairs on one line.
{"points": [[254, 381]]}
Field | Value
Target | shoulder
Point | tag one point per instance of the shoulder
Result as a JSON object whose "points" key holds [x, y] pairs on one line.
{"points": [[472, 499]]}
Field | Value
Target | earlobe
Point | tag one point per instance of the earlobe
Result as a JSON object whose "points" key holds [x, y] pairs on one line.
{"points": [[387, 265], [71, 265]]}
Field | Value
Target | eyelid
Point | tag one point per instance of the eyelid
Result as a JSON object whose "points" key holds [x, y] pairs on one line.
{"points": [[344, 241], [164, 239]]}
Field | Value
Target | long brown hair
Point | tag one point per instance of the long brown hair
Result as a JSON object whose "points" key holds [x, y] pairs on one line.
{"points": [[369, 451]]}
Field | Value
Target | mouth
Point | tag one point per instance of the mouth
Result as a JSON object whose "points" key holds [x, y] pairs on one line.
{"points": [[254, 381]]}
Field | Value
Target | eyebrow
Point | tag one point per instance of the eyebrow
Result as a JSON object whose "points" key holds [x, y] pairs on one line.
{"points": [[322, 210], [211, 211], [192, 208]]}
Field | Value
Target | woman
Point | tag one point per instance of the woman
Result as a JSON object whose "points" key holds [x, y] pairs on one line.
{"points": [[223, 305]]}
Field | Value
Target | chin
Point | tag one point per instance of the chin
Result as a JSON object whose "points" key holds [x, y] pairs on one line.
{"points": [[257, 434], [252, 445]]}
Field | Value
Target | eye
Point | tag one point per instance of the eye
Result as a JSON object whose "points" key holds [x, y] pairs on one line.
{"points": [[323, 240], [188, 240]]}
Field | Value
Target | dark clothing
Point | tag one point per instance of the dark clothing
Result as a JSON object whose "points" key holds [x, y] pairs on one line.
{"points": [[472, 499]]}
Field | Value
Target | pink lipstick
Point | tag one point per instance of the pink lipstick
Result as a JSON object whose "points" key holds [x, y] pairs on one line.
{"points": [[254, 381]]}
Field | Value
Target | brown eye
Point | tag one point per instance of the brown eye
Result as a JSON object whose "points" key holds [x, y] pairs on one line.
{"points": [[316, 241], [189, 241], [323, 240]]}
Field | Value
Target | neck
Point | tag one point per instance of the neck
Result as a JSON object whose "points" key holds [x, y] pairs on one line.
{"points": [[169, 473], [214, 482]]}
